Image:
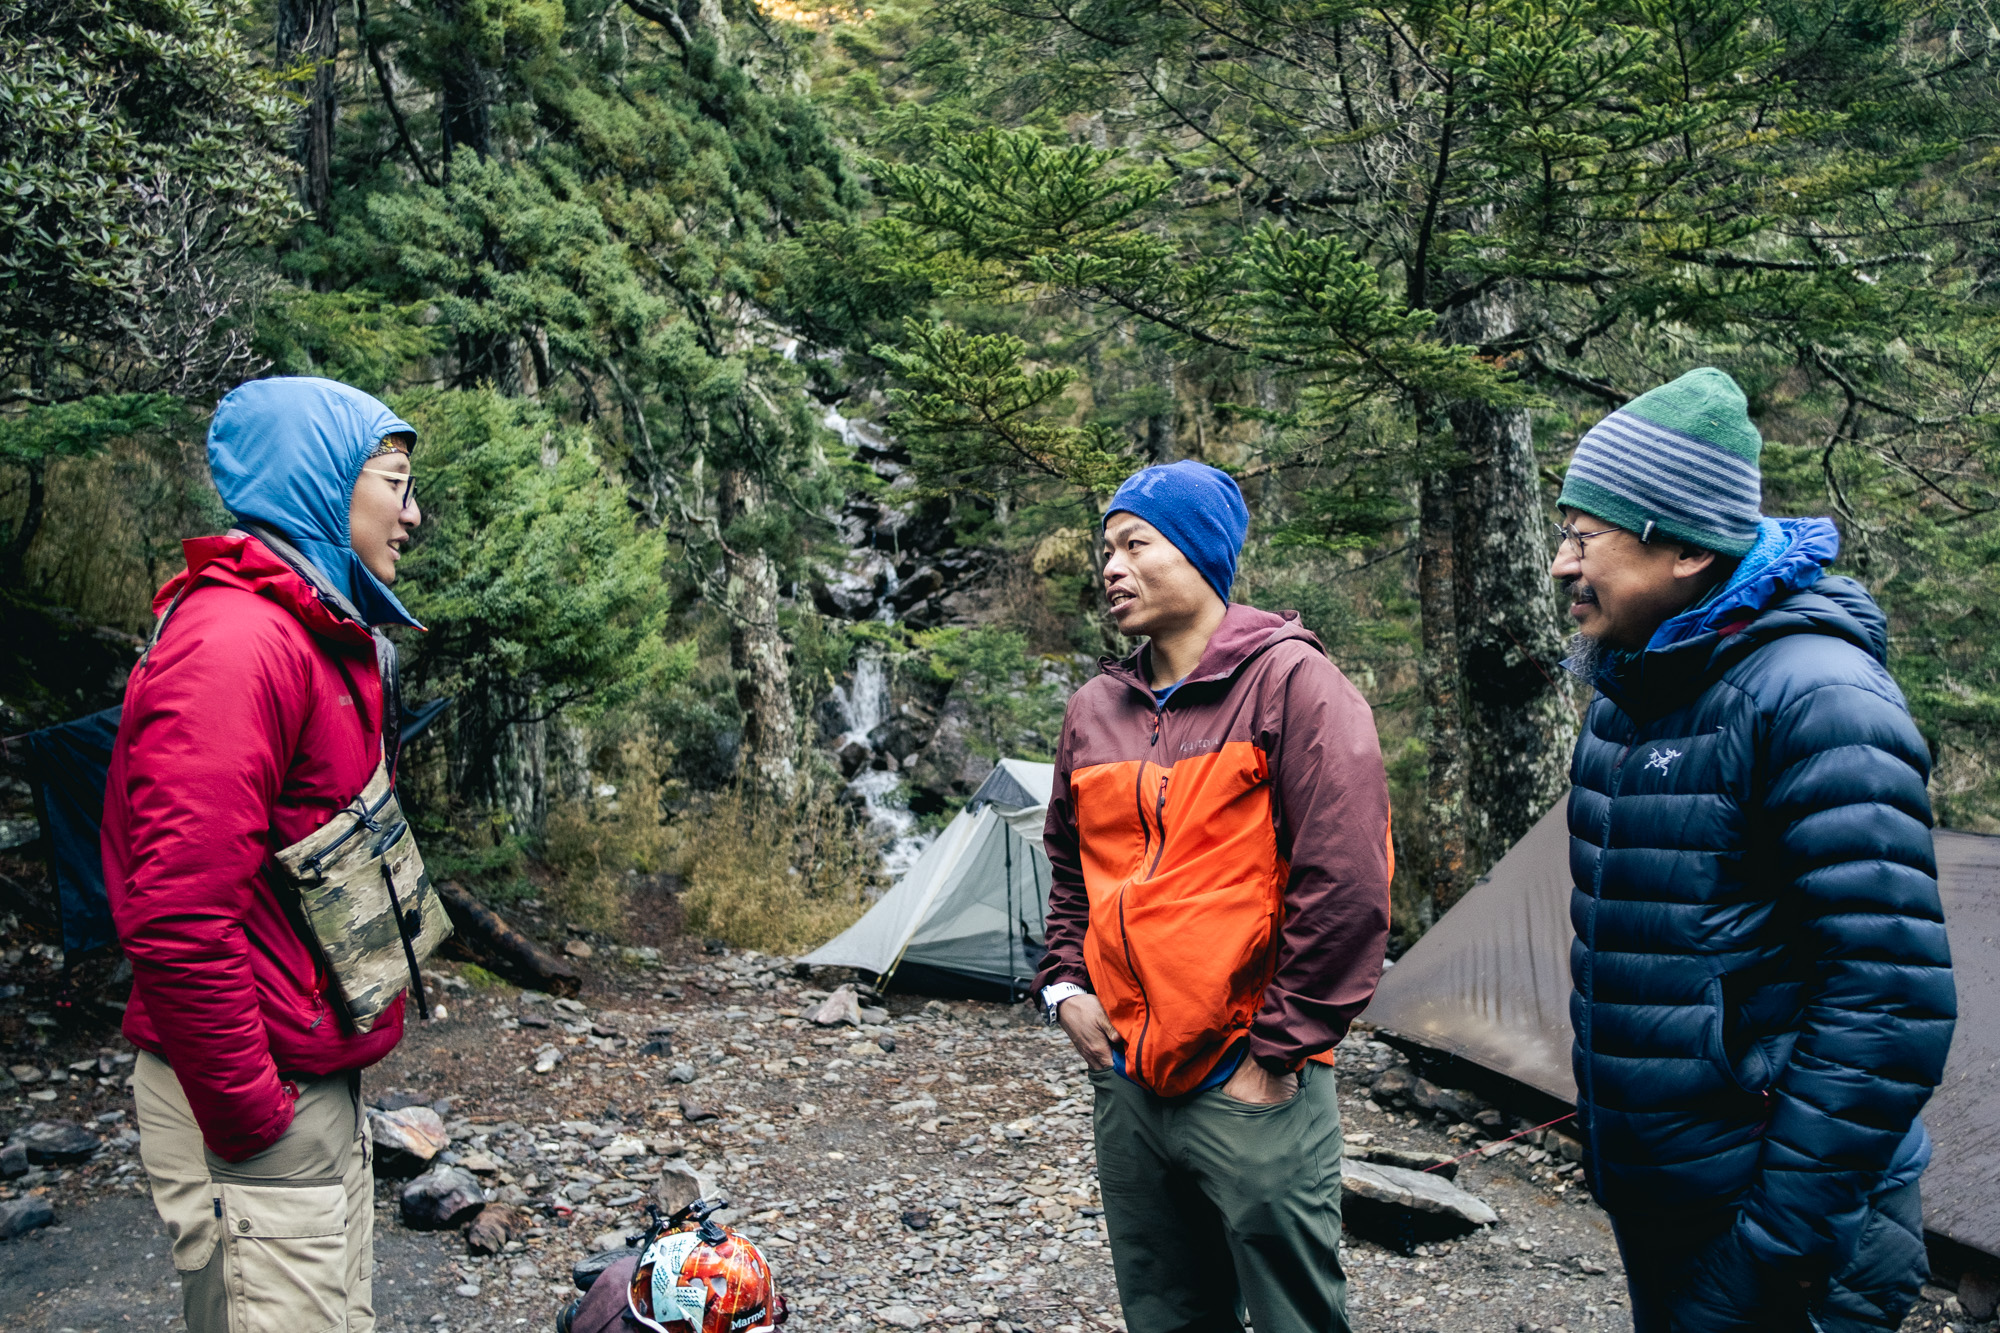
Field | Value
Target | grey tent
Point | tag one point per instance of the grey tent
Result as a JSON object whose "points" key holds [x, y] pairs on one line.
{"points": [[969, 917], [1489, 983]]}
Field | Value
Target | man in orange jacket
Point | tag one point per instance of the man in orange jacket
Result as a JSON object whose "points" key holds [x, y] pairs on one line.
{"points": [[1217, 917]]}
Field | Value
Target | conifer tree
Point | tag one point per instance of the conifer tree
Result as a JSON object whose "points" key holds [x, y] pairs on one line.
{"points": [[595, 204], [1433, 209]]}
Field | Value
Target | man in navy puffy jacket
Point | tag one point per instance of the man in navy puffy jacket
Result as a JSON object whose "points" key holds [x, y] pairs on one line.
{"points": [[1763, 992]]}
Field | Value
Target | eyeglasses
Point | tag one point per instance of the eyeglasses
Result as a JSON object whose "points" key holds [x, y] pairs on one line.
{"points": [[1566, 534], [405, 492]]}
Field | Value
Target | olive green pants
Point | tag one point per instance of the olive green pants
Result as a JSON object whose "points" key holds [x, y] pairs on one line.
{"points": [[282, 1242], [1215, 1204]]}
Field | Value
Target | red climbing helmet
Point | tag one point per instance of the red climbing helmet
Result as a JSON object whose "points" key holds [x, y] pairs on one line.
{"points": [[697, 1276]]}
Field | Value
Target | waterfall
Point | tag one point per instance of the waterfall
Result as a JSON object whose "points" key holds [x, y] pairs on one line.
{"points": [[864, 704], [868, 705]]}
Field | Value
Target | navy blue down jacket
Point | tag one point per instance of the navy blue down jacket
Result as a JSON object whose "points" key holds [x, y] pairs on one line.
{"points": [[1763, 993]]}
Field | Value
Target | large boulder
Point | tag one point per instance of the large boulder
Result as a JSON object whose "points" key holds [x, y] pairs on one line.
{"points": [[948, 765], [902, 735]]}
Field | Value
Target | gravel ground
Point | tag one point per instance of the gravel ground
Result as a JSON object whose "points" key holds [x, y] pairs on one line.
{"points": [[931, 1169]]}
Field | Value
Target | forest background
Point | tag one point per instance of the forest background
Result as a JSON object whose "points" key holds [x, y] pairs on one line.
{"points": [[772, 365]]}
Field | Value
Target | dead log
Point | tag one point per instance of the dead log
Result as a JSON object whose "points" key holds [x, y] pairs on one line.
{"points": [[503, 949]]}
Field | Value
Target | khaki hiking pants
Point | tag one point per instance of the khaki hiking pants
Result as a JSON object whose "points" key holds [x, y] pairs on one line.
{"points": [[281, 1243]]}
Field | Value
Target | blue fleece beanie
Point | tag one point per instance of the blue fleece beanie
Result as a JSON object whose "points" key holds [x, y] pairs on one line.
{"points": [[1198, 508], [287, 452]]}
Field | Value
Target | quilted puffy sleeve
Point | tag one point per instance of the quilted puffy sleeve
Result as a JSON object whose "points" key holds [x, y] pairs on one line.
{"points": [[1844, 794]]}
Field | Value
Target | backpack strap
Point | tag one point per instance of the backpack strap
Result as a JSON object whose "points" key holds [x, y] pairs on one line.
{"points": [[160, 625], [387, 662]]}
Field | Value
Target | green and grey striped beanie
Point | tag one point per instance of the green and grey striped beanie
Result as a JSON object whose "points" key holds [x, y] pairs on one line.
{"points": [[1680, 461]]}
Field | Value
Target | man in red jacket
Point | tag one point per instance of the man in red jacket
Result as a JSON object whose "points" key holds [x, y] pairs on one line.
{"points": [[258, 713], [1219, 834]]}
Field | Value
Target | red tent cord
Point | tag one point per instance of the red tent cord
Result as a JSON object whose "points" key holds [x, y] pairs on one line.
{"points": [[1509, 1139]]}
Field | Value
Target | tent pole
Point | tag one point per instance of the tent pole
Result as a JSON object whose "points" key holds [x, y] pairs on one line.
{"points": [[1013, 978]]}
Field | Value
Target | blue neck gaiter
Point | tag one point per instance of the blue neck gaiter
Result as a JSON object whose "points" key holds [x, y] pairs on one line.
{"points": [[288, 452]]}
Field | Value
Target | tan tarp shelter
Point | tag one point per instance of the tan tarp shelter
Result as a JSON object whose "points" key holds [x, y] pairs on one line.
{"points": [[1489, 983]]}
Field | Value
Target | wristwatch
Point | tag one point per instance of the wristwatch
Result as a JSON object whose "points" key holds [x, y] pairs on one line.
{"points": [[1053, 996]]}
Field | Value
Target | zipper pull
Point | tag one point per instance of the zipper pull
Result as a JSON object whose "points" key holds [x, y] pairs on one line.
{"points": [[1156, 728]]}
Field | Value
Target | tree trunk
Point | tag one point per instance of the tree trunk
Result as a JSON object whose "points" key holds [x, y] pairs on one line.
{"points": [[756, 646], [501, 948], [1442, 868], [1517, 709], [15, 560], [1162, 441], [464, 100], [309, 30], [500, 764]]}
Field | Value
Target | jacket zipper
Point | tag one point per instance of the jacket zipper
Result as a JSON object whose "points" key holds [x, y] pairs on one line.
{"points": [[1146, 1023], [1124, 935], [1597, 902], [1160, 815], [1139, 806]]}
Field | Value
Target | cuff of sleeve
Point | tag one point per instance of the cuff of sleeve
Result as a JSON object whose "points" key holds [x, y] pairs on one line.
{"points": [[1064, 975], [1054, 995], [234, 1143]]}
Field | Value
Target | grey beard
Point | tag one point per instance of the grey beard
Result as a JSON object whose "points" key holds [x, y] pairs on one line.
{"points": [[1585, 656]]}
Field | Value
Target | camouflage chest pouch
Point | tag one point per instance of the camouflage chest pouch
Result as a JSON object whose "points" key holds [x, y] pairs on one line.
{"points": [[367, 902]]}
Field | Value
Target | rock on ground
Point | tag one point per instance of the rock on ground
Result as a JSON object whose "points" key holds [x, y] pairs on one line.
{"points": [[20, 1216], [843, 1006], [1414, 1192], [441, 1198], [56, 1142], [494, 1225], [416, 1130]]}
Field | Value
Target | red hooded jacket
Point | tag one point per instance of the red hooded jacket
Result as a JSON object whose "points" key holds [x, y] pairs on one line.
{"points": [[256, 716], [1222, 864]]}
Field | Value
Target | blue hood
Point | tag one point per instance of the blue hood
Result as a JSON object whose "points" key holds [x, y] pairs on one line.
{"points": [[287, 452], [1788, 559], [1789, 556]]}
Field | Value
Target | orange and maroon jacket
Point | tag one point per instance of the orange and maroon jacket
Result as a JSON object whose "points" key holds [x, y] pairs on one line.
{"points": [[1221, 864]]}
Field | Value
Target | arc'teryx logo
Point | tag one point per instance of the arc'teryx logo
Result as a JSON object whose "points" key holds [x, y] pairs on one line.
{"points": [[1662, 761]]}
